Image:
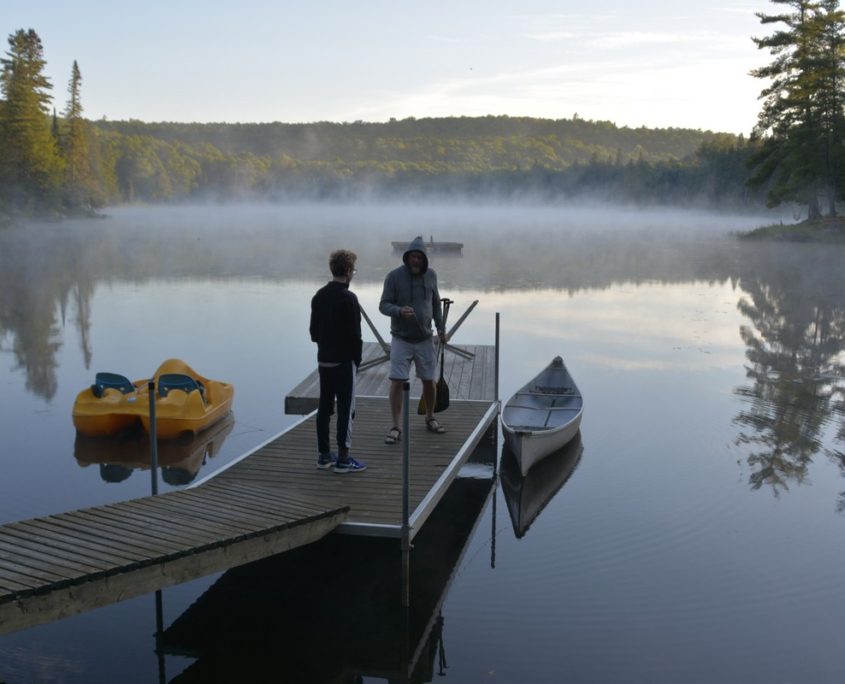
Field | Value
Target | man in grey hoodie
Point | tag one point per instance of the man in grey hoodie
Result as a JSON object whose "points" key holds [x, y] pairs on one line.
{"points": [[411, 298]]}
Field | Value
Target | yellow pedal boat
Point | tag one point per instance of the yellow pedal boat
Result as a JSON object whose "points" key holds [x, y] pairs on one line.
{"points": [[186, 402]]}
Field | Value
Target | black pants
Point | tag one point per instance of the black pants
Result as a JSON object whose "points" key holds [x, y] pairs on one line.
{"points": [[336, 382]]}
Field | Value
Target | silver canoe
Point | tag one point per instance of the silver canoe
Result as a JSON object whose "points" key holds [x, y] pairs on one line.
{"points": [[543, 416]]}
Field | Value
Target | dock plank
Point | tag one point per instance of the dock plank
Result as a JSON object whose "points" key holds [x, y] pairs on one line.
{"points": [[27, 549], [121, 529], [61, 544], [80, 532]]}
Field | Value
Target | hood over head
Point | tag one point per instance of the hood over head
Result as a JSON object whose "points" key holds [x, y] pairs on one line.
{"points": [[416, 245]]}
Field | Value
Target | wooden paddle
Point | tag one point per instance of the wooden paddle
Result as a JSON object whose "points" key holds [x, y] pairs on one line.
{"points": [[441, 401], [441, 398]]}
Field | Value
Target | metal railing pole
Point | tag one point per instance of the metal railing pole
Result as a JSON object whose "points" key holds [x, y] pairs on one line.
{"points": [[406, 503], [496, 459], [151, 387], [496, 387]]}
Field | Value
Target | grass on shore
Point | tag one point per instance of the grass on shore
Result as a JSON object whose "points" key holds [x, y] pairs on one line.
{"points": [[828, 229]]}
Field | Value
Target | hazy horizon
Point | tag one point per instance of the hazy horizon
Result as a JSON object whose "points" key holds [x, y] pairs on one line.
{"points": [[654, 64]]}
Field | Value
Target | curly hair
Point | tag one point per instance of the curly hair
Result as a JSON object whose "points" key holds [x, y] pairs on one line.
{"points": [[342, 261]]}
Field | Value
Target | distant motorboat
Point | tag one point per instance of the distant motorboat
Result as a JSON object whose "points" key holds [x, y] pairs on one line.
{"points": [[432, 247], [543, 416]]}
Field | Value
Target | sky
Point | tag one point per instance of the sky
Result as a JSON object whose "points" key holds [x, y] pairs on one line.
{"points": [[653, 63]]}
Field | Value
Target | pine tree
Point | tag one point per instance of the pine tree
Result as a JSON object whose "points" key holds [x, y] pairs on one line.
{"points": [[80, 187], [799, 126], [832, 98], [30, 164]]}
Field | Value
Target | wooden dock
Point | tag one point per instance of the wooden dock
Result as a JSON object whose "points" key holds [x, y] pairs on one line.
{"points": [[471, 375], [374, 497], [60, 565], [271, 500]]}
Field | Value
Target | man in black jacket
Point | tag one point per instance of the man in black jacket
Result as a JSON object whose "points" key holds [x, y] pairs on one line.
{"points": [[336, 328]]}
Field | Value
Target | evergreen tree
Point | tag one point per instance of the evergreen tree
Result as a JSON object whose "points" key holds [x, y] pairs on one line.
{"points": [[80, 187], [799, 127], [832, 98], [30, 164]]}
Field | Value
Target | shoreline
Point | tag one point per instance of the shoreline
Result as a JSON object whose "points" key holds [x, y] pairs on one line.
{"points": [[827, 229]]}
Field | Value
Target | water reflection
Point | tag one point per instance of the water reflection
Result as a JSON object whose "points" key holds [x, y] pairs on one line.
{"points": [[330, 611], [794, 336], [118, 456], [49, 273], [794, 340], [837, 454], [526, 497]]}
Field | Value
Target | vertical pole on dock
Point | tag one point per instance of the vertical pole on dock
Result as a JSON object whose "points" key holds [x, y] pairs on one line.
{"points": [[496, 385], [151, 387], [406, 503], [496, 459]]}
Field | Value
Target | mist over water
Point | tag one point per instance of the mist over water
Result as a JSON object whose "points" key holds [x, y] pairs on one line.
{"points": [[292, 241], [705, 509]]}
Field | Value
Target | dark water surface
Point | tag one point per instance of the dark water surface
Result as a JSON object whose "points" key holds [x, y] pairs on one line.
{"points": [[694, 533]]}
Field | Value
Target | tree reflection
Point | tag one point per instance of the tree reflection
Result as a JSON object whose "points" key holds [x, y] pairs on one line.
{"points": [[838, 455], [794, 346], [29, 326], [46, 282]]}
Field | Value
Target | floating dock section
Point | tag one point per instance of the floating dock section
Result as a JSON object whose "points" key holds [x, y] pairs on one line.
{"points": [[272, 500]]}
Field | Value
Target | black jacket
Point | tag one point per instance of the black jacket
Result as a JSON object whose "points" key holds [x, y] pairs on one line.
{"points": [[336, 324]]}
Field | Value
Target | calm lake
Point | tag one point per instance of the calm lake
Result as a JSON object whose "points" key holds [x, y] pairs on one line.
{"points": [[694, 533]]}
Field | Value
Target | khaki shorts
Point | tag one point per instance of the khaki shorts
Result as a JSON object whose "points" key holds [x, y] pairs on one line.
{"points": [[421, 353]]}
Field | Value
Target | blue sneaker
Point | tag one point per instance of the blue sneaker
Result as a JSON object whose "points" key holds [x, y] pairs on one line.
{"points": [[326, 461], [349, 465]]}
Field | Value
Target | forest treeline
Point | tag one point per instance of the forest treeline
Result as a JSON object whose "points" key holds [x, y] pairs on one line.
{"points": [[501, 157], [474, 156], [62, 162], [59, 161]]}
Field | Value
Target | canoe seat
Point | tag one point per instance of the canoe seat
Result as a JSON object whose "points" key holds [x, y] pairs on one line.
{"points": [[529, 428], [553, 389], [112, 380], [178, 381]]}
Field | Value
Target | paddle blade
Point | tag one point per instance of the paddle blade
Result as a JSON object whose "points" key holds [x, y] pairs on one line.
{"points": [[421, 407], [441, 402]]}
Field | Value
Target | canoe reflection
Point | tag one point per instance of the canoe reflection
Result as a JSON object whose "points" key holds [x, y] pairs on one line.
{"points": [[330, 611], [526, 497], [179, 459]]}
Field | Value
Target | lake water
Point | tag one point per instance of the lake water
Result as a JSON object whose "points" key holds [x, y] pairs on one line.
{"points": [[695, 533]]}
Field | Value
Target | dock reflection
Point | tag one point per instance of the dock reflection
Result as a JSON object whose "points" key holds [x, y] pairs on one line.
{"points": [[179, 459], [330, 611], [526, 497]]}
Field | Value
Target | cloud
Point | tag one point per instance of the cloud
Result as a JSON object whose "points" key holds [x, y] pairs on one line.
{"points": [[552, 36]]}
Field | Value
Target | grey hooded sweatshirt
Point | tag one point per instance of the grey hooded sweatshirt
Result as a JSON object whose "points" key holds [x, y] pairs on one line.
{"points": [[402, 288]]}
